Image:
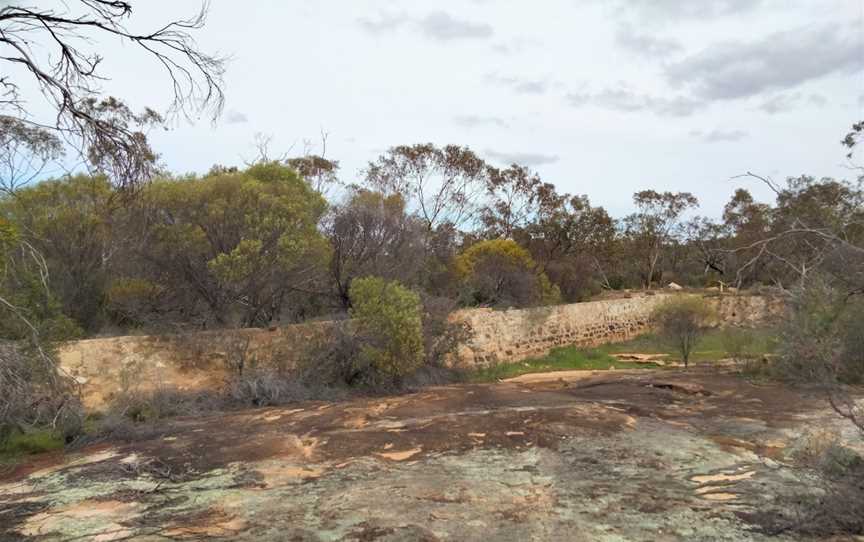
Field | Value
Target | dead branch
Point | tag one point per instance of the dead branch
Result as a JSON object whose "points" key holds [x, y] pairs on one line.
{"points": [[68, 73]]}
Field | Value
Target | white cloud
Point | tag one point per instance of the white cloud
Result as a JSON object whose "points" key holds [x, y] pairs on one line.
{"points": [[779, 61], [645, 44], [438, 25], [694, 8], [626, 100], [473, 121], [522, 158], [236, 117], [384, 23], [783, 103], [515, 45], [520, 85], [442, 26], [720, 136]]}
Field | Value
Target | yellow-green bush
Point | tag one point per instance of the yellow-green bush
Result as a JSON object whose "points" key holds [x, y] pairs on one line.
{"points": [[9, 236], [388, 322], [499, 272]]}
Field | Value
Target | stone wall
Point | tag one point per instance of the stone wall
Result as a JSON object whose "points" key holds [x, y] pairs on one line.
{"points": [[513, 335], [193, 361], [200, 360], [747, 310]]}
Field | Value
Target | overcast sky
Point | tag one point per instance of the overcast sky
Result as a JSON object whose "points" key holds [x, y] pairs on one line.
{"points": [[601, 97]]}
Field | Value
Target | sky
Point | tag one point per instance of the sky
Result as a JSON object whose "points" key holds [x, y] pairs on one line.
{"points": [[600, 97]]}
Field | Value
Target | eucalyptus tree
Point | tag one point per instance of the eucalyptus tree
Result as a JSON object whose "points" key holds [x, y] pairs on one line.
{"points": [[650, 229]]}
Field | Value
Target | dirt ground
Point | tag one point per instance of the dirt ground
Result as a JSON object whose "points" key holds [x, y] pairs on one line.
{"points": [[613, 456]]}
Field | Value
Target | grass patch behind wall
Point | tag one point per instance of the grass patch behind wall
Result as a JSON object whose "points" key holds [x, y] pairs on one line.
{"points": [[711, 348]]}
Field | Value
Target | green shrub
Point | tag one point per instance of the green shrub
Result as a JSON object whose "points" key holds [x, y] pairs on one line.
{"points": [[823, 337], [387, 322], [34, 395], [29, 442], [36, 305], [681, 322]]}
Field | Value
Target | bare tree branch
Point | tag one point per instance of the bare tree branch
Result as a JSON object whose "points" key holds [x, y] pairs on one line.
{"points": [[51, 46]]}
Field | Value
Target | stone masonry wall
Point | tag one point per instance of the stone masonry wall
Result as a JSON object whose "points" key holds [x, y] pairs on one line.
{"points": [[513, 335], [747, 310], [194, 361]]}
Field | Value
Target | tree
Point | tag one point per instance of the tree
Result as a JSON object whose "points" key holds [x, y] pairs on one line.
{"points": [[26, 152], [321, 174], [814, 224], [512, 201], [50, 48], [853, 138], [818, 234], [28, 308], [817, 238], [70, 223], [745, 216], [53, 48], [500, 273], [681, 323], [827, 205], [32, 391], [710, 241], [571, 241], [372, 235], [240, 243], [442, 185], [129, 165], [653, 225], [747, 222]]}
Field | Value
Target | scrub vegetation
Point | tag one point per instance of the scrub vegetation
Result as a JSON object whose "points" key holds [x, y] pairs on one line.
{"points": [[124, 245]]}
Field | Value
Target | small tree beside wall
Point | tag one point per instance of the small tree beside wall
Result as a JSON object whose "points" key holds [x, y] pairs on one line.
{"points": [[681, 323]]}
